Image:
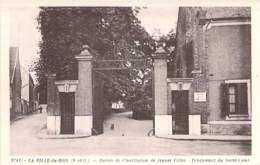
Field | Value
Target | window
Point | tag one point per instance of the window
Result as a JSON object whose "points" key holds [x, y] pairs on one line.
{"points": [[236, 99]]}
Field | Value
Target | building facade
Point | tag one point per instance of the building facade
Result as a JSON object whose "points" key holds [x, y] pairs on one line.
{"points": [[210, 91], [22, 90], [27, 92], [15, 83]]}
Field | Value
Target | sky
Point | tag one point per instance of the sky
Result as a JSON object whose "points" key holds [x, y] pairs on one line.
{"points": [[159, 18], [25, 35]]}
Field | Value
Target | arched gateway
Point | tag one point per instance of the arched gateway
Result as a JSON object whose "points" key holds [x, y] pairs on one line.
{"points": [[71, 103]]}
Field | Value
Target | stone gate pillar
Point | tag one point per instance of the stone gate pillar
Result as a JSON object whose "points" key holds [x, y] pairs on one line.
{"points": [[53, 118], [83, 95], [163, 119]]}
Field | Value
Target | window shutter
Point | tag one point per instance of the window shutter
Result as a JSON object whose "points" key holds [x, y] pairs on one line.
{"points": [[242, 102], [224, 100]]}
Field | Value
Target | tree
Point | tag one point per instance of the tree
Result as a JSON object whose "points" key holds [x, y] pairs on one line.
{"points": [[113, 32]]}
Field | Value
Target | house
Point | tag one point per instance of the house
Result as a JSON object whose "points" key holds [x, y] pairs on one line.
{"points": [[15, 83], [22, 90], [27, 92], [117, 105], [210, 89]]}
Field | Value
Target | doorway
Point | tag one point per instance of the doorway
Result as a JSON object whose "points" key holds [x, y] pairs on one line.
{"points": [[67, 102], [180, 111]]}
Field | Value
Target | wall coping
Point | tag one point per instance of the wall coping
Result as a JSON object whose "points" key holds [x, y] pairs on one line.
{"points": [[84, 57], [160, 53], [86, 54]]}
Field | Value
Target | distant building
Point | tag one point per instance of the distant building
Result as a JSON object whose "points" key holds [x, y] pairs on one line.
{"points": [[22, 90], [118, 105], [211, 87], [15, 83], [27, 95]]}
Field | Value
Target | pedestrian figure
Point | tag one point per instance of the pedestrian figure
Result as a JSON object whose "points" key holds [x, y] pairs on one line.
{"points": [[112, 126]]}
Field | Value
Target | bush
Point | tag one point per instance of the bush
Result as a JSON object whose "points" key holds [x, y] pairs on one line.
{"points": [[142, 114]]}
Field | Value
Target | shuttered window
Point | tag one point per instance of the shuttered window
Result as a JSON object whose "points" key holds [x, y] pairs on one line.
{"points": [[236, 99]]}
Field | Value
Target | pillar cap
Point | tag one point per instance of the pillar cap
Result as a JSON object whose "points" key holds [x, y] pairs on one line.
{"points": [[160, 53], [50, 75], [85, 54]]}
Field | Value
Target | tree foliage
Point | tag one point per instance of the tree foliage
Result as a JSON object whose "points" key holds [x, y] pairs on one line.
{"points": [[113, 32], [169, 42]]}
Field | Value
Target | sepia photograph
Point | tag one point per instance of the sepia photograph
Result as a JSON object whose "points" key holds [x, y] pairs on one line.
{"points": [[130, 80]]}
